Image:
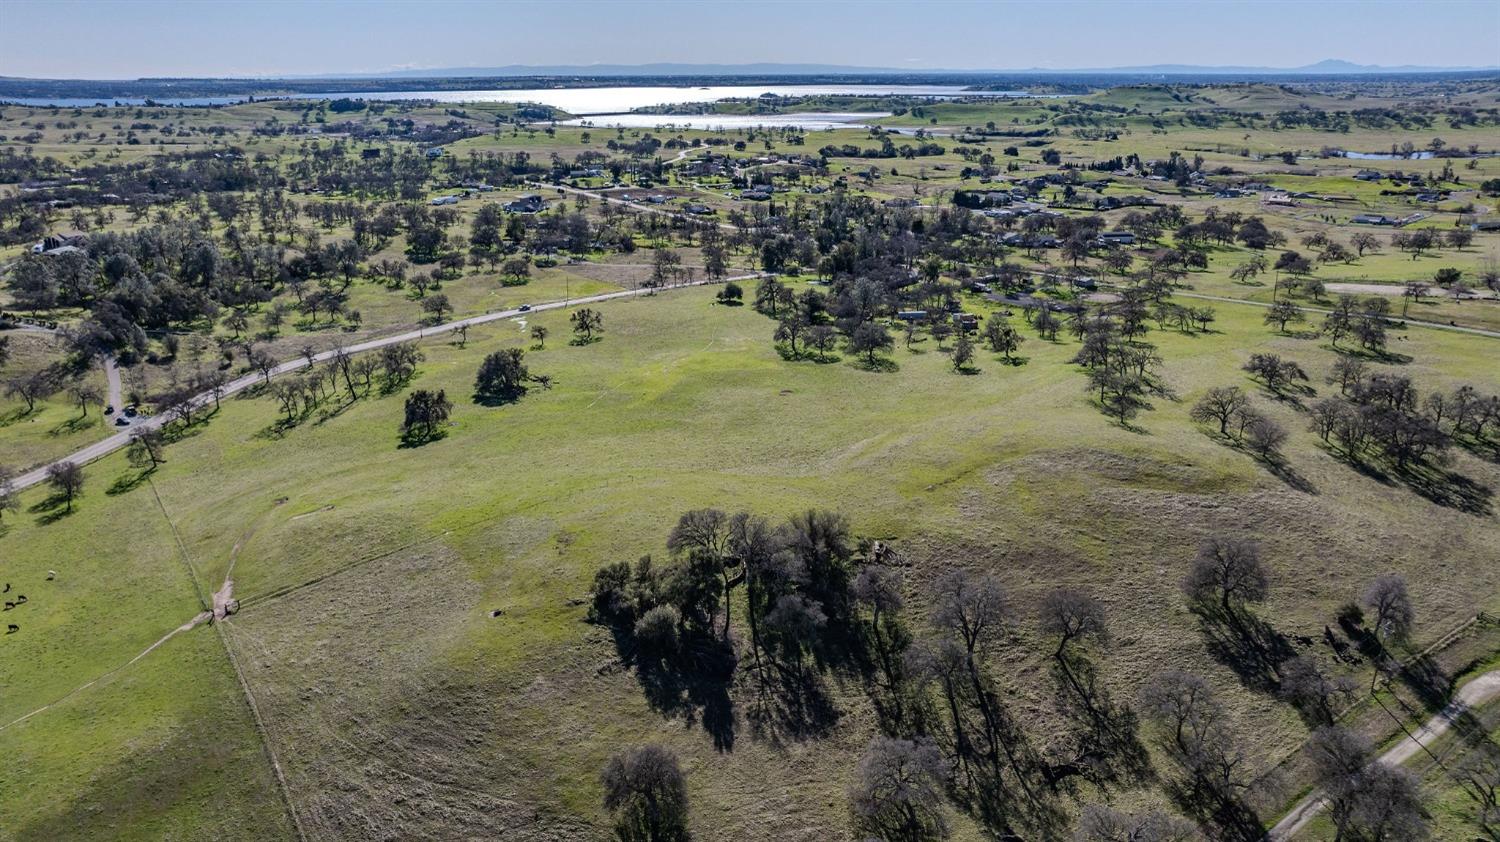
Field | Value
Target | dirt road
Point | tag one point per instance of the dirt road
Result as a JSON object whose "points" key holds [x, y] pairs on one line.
{"points": [[1477, 692]]}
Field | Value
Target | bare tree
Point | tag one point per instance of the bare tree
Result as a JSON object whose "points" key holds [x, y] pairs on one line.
{"points": [[1387, 599], [897, 793], [1222, 404], [1099, 823], [1367, 799], [1479, 775], [1306, 683], [646, 791], [67, 479], [1229, 572]]}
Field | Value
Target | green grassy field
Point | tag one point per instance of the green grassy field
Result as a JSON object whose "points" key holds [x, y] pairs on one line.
{"points": [[368, 688], [368, 572]]}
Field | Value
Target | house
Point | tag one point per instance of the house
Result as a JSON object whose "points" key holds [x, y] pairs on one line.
{"points": [[966, 321], [1029, 241], [369, 154], [1279, 199], [1428, 197], [656, 199], [911, 315], [63, 242], [528, 203], [1116, 238], [1486, 225], [445, 200], [435, 152], [756, 194], [1372, 219], [698, 209], [1369, 175], [1031, 302]]}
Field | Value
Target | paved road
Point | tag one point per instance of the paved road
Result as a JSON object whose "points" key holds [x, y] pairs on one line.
{"points": [[1477, 692], [120, 439], [111, 373]]}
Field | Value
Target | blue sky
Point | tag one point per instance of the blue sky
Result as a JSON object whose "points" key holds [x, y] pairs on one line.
{"points": [[130, 38]]}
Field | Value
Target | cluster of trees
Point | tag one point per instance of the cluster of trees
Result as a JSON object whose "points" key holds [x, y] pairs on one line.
{"points": [[812, 602], [815, 598], [1367, 800], [503, 376], [1230, 408], [1123, 369], [70, 375], [1365, 321], [426, 412], [796, 577], [1420, 240], [1383, 416], [391, 367], [887, 149]]}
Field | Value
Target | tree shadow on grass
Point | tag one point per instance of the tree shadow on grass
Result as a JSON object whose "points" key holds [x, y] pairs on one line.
{"points": [[1435, 483], [52, 509], [1446, 488], [1386, 357], [1013, 362], [129, 481], [1105, 747], [692, 682], [1280, 468], [1232, 819], [14, 416], [494, 399], [75, 424], [884, 365], [413, 440], [1487, 449], [1248, 645], [792, 704]]}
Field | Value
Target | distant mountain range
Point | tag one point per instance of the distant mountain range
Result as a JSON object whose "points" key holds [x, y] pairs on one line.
{"points": [[1329, 67]]}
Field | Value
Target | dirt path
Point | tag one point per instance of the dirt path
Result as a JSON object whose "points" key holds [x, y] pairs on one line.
{"points": [[1400, 289], [224, 603], [112, 377], [188, 626], [1477, 692], [104, 447]]}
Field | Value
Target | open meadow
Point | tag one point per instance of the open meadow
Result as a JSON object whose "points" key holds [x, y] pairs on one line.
{"points": [[287, 614]]}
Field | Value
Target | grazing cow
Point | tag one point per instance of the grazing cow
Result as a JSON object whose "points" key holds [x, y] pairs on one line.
{"points": [[51, 574], [7, 588], [20, 598], [9, 605], [13, 629]]}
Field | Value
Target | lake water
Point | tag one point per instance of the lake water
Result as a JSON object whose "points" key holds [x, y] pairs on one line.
{"points": [[807, 120], [586, 101], [1387, 156]]}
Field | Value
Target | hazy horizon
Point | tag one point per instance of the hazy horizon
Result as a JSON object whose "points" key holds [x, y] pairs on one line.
{"points": [[90, 39]]}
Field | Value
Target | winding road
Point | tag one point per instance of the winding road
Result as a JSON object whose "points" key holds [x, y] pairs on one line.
{"points": [[1483, 689], [106, 446]]}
